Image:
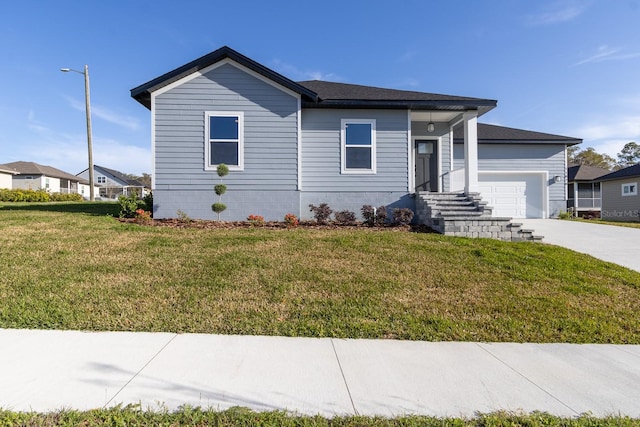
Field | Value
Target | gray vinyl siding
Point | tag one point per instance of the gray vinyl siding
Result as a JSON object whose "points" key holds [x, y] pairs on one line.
{"points": [[321, 151], [270, 133], [616, 206], [524, 157]]}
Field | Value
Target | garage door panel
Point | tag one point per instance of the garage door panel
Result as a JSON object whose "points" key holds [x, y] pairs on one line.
{"points": [[515, 195]]}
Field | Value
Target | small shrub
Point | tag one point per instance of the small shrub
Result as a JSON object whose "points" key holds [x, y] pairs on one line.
{"points": [[183, 217], [256, 220], [129, 205], [220, 189], [218, 208], [381, 215], [291, 220], [402, 216], [142, 216], [345, 217], [565, 215], [374, 216], [321, 213], [369, 215]]}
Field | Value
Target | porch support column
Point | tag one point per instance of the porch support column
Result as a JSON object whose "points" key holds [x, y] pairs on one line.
{"points": [[470, 119]]}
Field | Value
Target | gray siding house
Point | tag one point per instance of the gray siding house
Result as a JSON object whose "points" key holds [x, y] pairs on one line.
{"points": [[620, 194], [290, 144]]}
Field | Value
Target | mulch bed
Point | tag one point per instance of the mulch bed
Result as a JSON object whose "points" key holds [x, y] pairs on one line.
{"points": [[208, 224]]}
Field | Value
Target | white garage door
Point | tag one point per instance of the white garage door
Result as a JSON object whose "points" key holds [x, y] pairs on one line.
{"points": [[515, 195]]}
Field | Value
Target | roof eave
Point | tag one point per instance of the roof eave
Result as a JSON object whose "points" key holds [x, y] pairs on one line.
{"points": [[142, 93]]}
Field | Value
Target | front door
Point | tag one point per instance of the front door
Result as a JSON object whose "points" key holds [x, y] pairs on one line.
{"points": [[426, 165]]}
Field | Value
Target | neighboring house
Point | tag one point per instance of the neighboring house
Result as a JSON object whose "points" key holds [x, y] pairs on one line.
{"points": [[290, 144], [620, 195], [584, 189], [6, 176], [33, 176], [113, 183]]}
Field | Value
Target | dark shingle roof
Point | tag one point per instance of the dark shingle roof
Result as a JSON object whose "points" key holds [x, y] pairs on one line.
{"points": [[500, 134], [577, 172], [122, 177], [629, 172], [32, 168], [345, 95], [318, 94], [7, 169]]}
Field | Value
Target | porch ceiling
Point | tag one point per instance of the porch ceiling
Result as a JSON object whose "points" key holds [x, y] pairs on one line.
{"points": [[435, 116]]}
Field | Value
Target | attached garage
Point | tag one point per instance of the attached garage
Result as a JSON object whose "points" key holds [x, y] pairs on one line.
{"points": [[515, 194]]}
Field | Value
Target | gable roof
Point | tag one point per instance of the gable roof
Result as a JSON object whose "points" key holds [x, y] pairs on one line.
{"points": [[118, 175], [32, 168], [319, 94], [500, 134], [628, 172], [578, 172], [142, 93]]}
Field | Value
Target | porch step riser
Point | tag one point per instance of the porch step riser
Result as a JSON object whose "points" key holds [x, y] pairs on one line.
{"points": [[455, 214]]}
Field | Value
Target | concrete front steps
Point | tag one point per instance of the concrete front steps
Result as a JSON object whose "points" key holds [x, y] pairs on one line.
{"points": [[467, 215]]}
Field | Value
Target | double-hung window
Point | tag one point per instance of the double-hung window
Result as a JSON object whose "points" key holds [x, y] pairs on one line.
{"points": [[224, 142], [358, 146], [630, 189]]}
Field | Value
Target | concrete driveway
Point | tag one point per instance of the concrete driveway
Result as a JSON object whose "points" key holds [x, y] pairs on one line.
{"points": [[620, 245]]}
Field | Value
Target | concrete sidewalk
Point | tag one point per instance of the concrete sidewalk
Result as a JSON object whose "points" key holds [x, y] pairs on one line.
{"points": [[51, 370]]}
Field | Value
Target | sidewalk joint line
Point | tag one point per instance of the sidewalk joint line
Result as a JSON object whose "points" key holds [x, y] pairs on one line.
{"points": [[140, 370], [526, 378], [355, 411]]}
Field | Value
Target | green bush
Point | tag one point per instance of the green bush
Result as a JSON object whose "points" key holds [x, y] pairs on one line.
{"points": [[65, 197], [148, 202], [129, 205]]}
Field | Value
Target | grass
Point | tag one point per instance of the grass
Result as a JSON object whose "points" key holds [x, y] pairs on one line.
{"points": [[83, 270], [630, 224], [244, 417]]}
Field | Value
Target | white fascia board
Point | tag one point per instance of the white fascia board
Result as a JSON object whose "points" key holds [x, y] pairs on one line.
{"points": [[153, 141], [299, 144], [410, 159], [218, 64]]}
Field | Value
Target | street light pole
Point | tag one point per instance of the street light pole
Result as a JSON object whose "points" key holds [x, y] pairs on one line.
{"points": [[87, 100]]}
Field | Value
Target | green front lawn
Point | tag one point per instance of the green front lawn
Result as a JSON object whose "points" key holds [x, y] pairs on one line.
{"points": [[75, 270]]}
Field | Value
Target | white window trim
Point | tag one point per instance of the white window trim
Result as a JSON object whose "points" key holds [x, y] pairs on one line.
{"points": [[207, 141], [630, 193], [343, 146]]}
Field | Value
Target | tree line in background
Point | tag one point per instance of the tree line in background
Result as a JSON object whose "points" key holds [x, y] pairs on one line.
{"points": [[628, 156], [145, 179]]}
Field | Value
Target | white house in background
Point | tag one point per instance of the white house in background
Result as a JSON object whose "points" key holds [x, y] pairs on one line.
{"points": [[113, 183], [6, 176], [33, 176]]}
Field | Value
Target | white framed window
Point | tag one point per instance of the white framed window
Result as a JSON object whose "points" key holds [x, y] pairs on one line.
{"points": [[102, 180], [224, 140], [358, 146], [630, 189], [46, 183]]}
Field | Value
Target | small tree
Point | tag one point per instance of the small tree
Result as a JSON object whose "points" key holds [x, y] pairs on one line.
{"points": [[219, 207]]}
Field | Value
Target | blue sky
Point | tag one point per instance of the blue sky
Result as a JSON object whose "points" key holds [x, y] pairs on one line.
{"points": [[565, 67]]}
